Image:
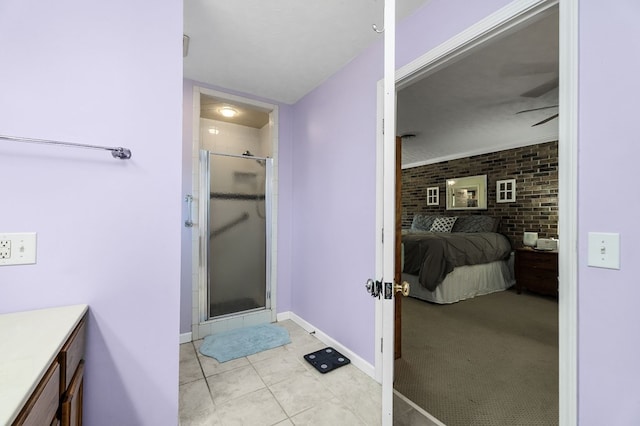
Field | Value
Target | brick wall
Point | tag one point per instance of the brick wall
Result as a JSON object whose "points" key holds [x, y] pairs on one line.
{"points": [[535, 169]]}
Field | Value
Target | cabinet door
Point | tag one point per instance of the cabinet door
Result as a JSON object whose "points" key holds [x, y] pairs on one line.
{"points": [[72, 404], [71, 354], [43, 404]]}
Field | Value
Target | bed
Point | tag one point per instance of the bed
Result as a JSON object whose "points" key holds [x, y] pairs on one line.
{"points": [[448, 259]]}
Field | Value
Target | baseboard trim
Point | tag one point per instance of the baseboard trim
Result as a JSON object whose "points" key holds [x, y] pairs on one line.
{"points": [[282, 316], [356, 360], [185, 337], [419, 409]]}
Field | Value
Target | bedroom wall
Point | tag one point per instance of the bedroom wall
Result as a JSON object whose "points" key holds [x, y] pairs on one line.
{"points": [[535, 169], [108, 230]]}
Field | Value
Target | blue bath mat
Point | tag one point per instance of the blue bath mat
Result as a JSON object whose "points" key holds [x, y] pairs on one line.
{"points": [[244, 341]]}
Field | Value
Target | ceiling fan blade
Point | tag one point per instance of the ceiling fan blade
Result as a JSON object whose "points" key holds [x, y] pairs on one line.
{"points": [[545, 120], [519, 69], [536, 109], [538, 91]]}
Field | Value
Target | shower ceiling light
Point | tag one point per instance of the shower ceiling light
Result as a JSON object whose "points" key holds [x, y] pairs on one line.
{"points": [[228, 112]]}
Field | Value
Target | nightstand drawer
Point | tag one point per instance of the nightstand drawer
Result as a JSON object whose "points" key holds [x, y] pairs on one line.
{"points": [[540, 284], [537, 260], [537, 271]]}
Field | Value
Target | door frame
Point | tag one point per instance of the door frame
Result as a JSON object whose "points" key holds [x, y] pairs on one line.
{"points": [[201, 326], [495, 24]]}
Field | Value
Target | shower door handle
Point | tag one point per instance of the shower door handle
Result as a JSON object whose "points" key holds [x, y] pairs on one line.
{"points": [[189, 200]]}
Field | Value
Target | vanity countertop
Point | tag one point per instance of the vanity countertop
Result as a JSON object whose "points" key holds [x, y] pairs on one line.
{"points": [[29, 343]]}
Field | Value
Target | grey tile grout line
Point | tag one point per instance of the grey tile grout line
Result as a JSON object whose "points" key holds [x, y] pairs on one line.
{"points": [[203, 375], [273, 395], [194, 380], [279, 405]]}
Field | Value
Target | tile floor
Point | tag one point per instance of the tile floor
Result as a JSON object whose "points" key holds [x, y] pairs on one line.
{"points": [[278, 387]]}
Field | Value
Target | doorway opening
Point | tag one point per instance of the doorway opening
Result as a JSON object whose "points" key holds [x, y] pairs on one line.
{"points": [[453, 51], [235, 171]]}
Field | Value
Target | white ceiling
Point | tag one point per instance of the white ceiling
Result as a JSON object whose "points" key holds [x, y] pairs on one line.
{"points": [[283, 49], [470, 106], [278, 49]]}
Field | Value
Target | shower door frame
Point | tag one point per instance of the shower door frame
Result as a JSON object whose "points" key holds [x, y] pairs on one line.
{"points": [[201, 325], [205, 220]]}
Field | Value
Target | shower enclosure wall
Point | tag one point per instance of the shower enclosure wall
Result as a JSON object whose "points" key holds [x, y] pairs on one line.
{"points": [[236, 233]]}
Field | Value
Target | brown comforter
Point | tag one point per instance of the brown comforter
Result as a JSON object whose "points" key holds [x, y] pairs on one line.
{"points": [[432, 255]]}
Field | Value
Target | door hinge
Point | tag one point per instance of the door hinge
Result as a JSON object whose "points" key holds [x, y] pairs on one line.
{"points": [[381, 345], [382, 237]]}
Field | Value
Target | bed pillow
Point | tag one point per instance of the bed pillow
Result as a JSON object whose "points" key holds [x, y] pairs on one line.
{"points": [[443, 224], [476, 223], [422, 222]]}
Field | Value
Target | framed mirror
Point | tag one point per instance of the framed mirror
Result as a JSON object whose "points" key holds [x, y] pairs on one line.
{"points": [[467, 193]]}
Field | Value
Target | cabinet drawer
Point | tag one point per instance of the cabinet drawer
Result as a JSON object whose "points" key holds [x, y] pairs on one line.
{"points": [[72, 404], [71, 355], [41, 408]]}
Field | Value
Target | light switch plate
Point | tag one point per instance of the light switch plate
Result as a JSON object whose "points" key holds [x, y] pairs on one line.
{"points": [[604, 250]]}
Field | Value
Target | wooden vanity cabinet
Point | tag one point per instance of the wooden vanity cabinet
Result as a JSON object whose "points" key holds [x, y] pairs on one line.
{"points": [[57, 400]]}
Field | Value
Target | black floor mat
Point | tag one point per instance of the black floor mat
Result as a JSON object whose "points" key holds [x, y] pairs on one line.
{"points": [[326, 359]]}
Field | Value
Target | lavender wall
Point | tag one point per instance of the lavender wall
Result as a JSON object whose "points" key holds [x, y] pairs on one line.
{"points": [[108, 230], [284, 200], [334, 178], [609, 342]]}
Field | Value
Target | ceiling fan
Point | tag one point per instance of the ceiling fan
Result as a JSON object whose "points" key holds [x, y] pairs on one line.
{"points": [[537, 92], [538, 109]]}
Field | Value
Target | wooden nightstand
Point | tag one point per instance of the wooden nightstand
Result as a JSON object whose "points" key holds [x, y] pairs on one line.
{"points": [[537, 271]]}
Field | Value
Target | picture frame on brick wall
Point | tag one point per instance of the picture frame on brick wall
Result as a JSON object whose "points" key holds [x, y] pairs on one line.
{"points": [[467, 193], [506, 191], [433, 196]]}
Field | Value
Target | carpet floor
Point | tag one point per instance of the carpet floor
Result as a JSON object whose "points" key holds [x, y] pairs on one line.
{"points": [[491, 360]]}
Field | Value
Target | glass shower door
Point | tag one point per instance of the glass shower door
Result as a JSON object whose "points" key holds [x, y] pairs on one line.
{"points": [[236, 248]]}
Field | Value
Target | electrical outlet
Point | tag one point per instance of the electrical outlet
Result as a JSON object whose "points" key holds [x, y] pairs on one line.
{"points": [[18, 249], [5, 249]]}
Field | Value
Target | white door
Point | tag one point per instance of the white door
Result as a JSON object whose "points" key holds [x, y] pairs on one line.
{"points": [[501, 20], [388, 237]]}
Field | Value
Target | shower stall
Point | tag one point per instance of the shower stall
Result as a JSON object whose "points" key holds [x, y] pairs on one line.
{"points": [[236, 234]]}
